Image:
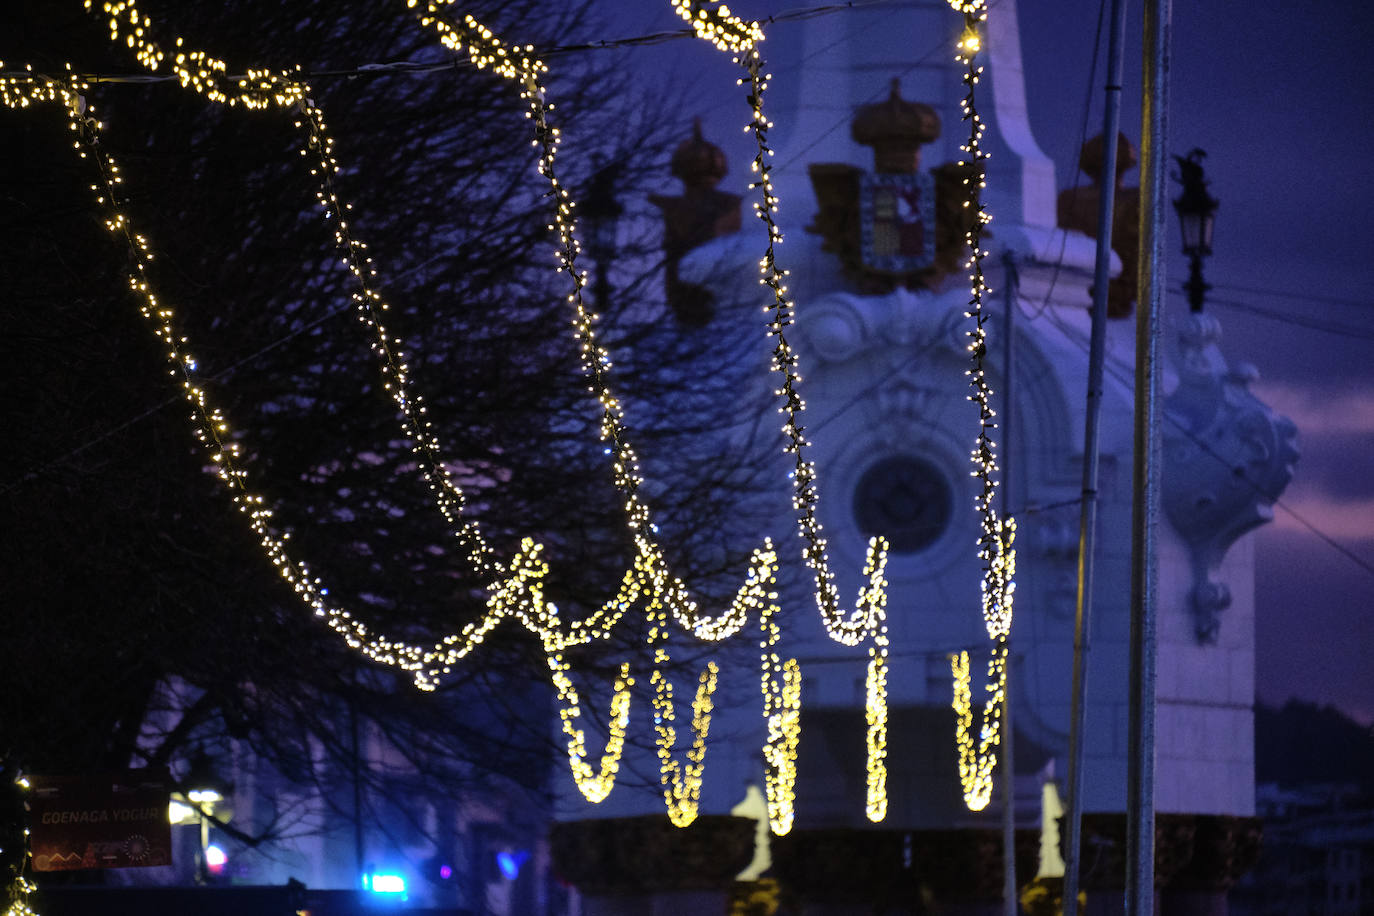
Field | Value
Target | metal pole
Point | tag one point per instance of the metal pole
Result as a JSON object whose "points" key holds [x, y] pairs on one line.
{"points": [[1087, 514], [1140, 768], [1010, 903]]}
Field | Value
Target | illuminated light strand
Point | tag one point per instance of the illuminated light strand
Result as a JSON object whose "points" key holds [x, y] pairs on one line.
{"points": [[21, 887], [781, 685], [210, 426], [681, 782], [868, 619], [203, 73], [198, 70], [486, 51], [396, 374], [510, 595], [714, 23], [535, 614], [978, 760], [416, 427], [864, 621]]}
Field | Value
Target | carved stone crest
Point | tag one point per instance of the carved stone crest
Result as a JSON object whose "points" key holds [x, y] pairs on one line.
{"points": [[899, 226]]}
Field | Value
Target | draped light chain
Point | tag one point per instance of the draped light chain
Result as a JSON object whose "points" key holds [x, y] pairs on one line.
{"points": [[516, 592], [977, 758], [714, 22], [515, 588]]}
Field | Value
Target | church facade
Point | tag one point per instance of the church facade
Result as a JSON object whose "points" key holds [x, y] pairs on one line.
{"points": [[874, 229]]}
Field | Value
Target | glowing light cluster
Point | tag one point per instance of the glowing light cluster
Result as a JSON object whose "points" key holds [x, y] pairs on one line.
{"points": [[977, 760], [866, 621], [198, 70], [713, 22], [515, 588], [21, 887], [781, 682]]}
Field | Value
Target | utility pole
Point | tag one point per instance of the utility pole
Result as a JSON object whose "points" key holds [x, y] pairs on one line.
{"points": [[1087, 515], [1140, 766]]}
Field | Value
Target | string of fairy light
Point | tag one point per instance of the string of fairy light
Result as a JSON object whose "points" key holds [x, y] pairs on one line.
{"points": [[978, 757], [515, 587], [21, 888], [517, 594], [716, 24]]}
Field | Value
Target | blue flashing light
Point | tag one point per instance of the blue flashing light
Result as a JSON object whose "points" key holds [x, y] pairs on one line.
{"points": [[511, 862]]}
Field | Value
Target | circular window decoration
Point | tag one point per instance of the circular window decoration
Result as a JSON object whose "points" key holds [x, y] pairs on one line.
{"points": [[905, 499]]}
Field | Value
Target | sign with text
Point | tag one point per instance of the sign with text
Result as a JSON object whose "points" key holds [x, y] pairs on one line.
{"points": [[116, 820]]}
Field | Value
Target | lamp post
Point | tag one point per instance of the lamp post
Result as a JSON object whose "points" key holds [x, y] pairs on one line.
{"points": [[1196, 214], [601, 211], [202, 798]]}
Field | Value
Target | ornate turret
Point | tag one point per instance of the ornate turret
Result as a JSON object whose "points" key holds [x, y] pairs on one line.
{"points": [[701, 214], [698, 163], [1078, 210], [896, 129]]}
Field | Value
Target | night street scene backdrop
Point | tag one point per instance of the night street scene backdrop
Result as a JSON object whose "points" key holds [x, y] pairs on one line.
{"points": [[382, 256]]}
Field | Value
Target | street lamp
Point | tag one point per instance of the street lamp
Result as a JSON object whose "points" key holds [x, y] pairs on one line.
{"points": [[601, 213], [1196, 214], [203, 798]]}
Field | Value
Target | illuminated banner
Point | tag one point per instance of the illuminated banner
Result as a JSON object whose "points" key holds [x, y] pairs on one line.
{"points": [[116, 820]]}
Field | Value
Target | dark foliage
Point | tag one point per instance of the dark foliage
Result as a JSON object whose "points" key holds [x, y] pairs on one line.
{"points": [[1303, 743]]}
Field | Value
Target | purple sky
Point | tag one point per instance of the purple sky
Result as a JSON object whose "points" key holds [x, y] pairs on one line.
{"points": [[1279, 95]]}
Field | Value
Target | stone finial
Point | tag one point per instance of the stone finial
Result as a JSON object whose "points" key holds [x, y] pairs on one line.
{"points": [[896, 129], [1090, 158], [1077, 209], [697, 162], [701, 213]]}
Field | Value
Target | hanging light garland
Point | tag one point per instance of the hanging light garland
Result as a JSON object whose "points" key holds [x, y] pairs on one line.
{"points": [[715, 23], [21, 888], [516, 587], [517, 592], [977, 759]]}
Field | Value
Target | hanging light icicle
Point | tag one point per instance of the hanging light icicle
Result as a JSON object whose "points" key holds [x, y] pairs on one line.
{"points": [[978, 758]]}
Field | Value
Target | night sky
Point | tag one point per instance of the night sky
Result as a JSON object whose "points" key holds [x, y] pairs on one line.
{"points": [[1279, 96]]}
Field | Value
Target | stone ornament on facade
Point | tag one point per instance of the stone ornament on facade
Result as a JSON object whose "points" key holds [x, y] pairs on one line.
{"points": [[1227, 458], [701, 213], [899, 226], [1077, 209]]}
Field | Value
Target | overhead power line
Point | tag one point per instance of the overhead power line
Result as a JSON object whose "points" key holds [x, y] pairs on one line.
{"points": [[1367, 304], [1300, 319], [416, 68]]}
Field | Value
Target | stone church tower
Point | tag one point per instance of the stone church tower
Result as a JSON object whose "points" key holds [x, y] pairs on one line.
{"points": [[874, 243]]}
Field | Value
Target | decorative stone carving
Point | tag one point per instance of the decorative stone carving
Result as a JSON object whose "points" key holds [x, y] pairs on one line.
{"points": [[635, 855], [840, 326], [701, 214], [899, 227], [1077, 209], [1227, 458]]}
